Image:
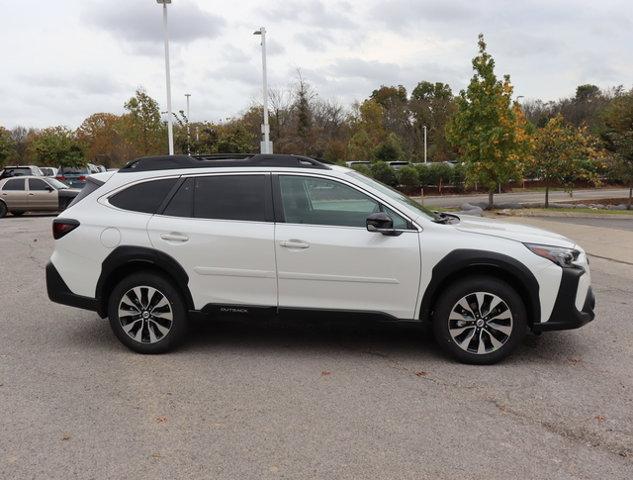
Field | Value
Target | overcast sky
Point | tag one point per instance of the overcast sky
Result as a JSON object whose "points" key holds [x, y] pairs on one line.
{"points": [[63, 60]]}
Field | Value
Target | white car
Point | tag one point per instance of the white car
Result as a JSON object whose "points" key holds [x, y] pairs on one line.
{"points": [[166, 238]]}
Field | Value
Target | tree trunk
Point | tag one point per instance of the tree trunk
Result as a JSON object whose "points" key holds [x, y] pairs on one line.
{"points": [[491, 199], [628, 207], [546, 196]]}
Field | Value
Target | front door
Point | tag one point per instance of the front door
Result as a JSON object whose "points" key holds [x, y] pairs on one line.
{"points": [[42, 196], [220, 229], [326, 258]]}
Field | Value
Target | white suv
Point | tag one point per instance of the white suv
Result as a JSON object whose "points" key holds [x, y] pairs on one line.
{"points": [[166, 238]]}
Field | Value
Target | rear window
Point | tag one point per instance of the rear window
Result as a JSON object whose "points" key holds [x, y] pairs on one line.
{"points": [[143, 197], [91, 185], [16, 171], [14, 184], [75, 170]]}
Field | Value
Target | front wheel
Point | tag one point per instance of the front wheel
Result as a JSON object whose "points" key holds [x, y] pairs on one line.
{"points": [[480, 320], [3, 209], [147, 313]]}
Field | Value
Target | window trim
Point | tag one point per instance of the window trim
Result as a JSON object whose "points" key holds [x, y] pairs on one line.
{"points": [[18, 178], [28, 184], [279, 211], [269, 206]]}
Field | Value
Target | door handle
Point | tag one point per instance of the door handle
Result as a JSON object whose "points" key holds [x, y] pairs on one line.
{"points": [[31, 194], [299, 244], [174, 237]]}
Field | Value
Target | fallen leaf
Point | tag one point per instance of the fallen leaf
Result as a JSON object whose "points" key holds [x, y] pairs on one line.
{"points": [[600, 418], [421, 373], [325, 373], [66, 436], [161, 419]]}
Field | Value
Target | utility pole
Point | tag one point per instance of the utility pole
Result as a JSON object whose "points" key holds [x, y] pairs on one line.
{"points": [[424, 143], [188, 137], [266, 145], [170, 126]]}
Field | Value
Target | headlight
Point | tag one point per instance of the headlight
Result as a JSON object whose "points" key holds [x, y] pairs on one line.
{"points": [[562, 256]]}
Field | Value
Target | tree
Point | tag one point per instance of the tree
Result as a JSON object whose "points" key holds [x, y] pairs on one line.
{"points": [[302, 106], [485, 127], [560, 154], [360, 146], [390, 150], [619, 138], [384, 173], [432, 105], [7, 146], [142, 126], [102, 141], [57, 147]]}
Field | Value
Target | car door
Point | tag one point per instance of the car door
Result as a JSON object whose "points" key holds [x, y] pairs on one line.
{"points": [[14, 194], [41, 196], [326, 257], [220, 229]]}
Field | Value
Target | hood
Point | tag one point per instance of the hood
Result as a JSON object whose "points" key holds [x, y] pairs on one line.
{"points": [[511, 231]]}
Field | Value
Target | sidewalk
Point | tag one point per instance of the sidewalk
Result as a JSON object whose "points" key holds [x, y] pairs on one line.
{"points": [[608, 243]]}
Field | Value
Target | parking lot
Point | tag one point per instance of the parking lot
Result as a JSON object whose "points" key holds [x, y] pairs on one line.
{"points": [[295, 400]]}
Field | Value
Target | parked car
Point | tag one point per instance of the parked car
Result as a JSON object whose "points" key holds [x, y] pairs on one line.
{"points": [[168, 238], [352, 163], [34, 194], [397, 165], [20, 171], [49, 171], [74, 177]]}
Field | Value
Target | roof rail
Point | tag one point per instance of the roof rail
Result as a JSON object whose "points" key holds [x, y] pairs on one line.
{"points": [[171, 162]]}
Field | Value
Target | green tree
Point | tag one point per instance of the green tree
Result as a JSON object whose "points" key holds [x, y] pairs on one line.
{"points": [[619, 139], [485, 128], [142, 126], [408, 177], [384, 173], [57, 147], [560, 155], [390, 150], [432, 105], [7, 146]]}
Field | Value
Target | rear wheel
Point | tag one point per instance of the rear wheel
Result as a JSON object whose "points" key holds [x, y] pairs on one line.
{"points": [[147, 313], [17, 214], [3, 209], [480, 320]]}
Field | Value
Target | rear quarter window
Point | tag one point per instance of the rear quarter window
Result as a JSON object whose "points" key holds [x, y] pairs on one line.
{"points": [[91, 186], [143, 197]]}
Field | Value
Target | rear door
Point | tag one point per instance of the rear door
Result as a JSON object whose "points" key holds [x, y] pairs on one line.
{"points": [[220, 229], [326, 258], [41, 196], [14, 194]]}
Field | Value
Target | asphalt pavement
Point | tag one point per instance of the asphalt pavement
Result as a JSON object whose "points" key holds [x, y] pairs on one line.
{"points": [[303, 401]]}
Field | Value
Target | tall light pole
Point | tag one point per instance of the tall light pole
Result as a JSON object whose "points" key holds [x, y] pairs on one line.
{"points": [[170, 125], [188, 139], [424, 143], [266, 146]]}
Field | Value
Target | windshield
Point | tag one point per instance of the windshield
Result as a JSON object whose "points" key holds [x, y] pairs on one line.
{"points": [[393, 194], [75, 170], [56, 184]]}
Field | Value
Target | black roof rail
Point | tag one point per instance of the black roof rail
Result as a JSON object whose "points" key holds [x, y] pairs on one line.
{"points": [[171, 162]]}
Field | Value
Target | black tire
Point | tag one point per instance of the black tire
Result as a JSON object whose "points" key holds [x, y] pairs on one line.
{"points": [[497, 335], [3, 209], [17, 214], [148, 343]]}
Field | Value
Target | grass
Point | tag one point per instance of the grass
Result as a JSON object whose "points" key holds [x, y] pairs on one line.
{"points": [[567, 212]]}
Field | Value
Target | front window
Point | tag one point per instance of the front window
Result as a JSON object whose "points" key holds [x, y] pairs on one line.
{"points": [[56, 184], [392, 194], [38, 185]]}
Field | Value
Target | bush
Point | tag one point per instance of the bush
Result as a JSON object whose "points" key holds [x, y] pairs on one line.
{"points": [[458, 176], [408, 178], [433, 173], [384, 173], [362, 168]]}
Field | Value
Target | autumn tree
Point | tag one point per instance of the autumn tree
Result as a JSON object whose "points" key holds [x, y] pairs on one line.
{"points": [[619, 138], [485, 128], [102, 140], [142, 126], [560, 154], [57, 147], [7, 147]]}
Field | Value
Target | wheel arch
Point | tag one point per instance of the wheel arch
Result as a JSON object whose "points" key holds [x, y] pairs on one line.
{"points": [[465, 262], [125, 260]]}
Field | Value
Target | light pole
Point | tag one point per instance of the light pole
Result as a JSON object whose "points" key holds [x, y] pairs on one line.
{"points": [[170, 126], [266, 146], [424, 143], [188, 139]]}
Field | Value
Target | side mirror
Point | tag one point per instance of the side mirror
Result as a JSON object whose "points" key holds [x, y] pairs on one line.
{"points": [[50, 189], [381, 222]]}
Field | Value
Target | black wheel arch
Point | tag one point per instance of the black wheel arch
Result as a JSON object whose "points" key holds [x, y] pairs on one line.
{"points": [[465, 262], [126, 260]]}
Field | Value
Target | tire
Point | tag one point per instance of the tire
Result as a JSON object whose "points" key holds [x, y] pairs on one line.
{"points": [[17, 214], [63, 204], [3, 210], [156, 329], [489, 329]]}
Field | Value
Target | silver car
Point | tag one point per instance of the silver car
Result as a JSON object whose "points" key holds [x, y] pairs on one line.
{"points": [[34, 194]]}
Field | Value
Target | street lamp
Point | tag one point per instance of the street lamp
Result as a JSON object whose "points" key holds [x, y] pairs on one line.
{"points": [[266, 146], [170, 126], [188, 140], [424, 143]]}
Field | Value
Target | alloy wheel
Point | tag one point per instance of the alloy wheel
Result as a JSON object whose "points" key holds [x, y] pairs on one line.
{"points": [[480, 322], [145, 314]]}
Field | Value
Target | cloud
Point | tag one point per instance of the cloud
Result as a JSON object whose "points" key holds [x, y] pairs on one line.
{"points": [[311, 12], [81, 83], [141, 22], [399, 14]]}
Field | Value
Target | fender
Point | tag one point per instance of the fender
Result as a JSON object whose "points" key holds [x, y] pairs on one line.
{"points": [[464, 261], [124, 256]]}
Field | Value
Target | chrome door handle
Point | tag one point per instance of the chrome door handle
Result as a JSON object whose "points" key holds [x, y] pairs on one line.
{"points": [[174, 237], [31, 194], [295, 244]]}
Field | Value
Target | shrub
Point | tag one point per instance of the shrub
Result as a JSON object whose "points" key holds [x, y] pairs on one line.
{"points": [[362, 168], [408, 178], [384, 173]]}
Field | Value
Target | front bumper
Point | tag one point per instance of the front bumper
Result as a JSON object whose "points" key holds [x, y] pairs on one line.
{"points": [[565, 315], [59, 292]]}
